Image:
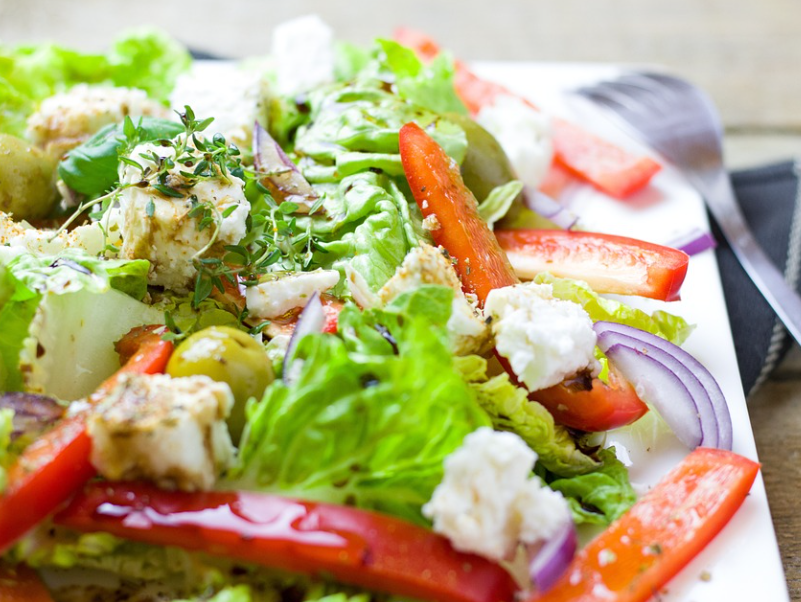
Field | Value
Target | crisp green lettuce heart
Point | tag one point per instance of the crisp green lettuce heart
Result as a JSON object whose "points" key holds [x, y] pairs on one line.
{"points": [[510, 410], [673, 328], [370, 419], [599, 497]]}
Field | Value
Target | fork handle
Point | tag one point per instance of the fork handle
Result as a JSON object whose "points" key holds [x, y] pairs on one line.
{"points": [[717, 190]]}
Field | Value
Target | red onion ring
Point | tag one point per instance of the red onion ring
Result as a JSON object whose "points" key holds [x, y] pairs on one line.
{"points": [[552, 558], [546, 207], [679, 387], [311, 320]]}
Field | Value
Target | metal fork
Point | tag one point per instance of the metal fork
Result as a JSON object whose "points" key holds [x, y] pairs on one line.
{"points": [[679, 121]]}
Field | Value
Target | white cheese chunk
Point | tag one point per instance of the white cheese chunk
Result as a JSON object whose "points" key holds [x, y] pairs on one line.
{"points": [[24, 237], [169, 238], [170, 431], [303, 50], [544, 339], [524, 134], [277, 293], [65, 120], [489, 502], [427, 265], [236, 98]]}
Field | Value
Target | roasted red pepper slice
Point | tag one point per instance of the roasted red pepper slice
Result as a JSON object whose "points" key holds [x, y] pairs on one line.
{"points": [[638, 554], [57, 464], [443, 198], [354, 546], [608, 263]]}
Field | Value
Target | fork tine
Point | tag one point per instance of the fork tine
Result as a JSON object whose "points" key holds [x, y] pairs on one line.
{"points": [[606, 94]]}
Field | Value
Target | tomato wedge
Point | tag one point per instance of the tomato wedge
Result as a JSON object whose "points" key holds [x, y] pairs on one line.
{"points": [[593, 406], [442, 196], [355, 546], [57, 464], [636, 556], [21, 584], [603, 164], [608, 263]]}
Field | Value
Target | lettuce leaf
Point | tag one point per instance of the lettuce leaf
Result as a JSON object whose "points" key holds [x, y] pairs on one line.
{"points": [[499, 201], [68, 306], [370, 419], [673, 328], [429, 86], [380, 235], [599, 497], [510, 410], [146, 59]]}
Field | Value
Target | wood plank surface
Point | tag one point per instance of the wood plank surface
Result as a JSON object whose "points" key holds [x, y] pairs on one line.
{"points": [[745, 53]]}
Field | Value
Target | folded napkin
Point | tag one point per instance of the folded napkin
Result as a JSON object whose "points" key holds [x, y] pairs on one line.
{"points": [[770, 198]]}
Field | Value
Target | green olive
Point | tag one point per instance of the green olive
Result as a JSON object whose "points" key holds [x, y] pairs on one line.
{"points": [[26, 179], [485, 165], [230, 356]]}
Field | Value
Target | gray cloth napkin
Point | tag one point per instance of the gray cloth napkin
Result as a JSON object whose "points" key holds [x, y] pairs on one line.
{"points": [[771, 202]]}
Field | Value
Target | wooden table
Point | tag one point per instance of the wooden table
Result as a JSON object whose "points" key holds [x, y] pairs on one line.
{"points": [[746, 54]]}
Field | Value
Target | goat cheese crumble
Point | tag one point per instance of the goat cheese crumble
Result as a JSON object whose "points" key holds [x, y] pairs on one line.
{"points": [[489, 502], [544, 339], [524, 134]]}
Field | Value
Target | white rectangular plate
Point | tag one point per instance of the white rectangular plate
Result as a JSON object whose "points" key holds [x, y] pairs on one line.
{"points": [[743, 562]]}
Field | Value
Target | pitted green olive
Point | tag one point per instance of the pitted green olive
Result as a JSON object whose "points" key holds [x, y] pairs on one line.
{"points": [[226, 355], [485, 165], [26, 179]]}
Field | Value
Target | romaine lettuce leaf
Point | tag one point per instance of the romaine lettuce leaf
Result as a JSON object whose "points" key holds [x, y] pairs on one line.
{"points": [[61, 317], [429, 86], [673, 328], [369, 420], [146, 59], [599, 497], [510, 410], [499, 201]]}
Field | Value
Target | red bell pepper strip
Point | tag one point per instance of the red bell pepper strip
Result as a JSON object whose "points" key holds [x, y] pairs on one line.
{"points": [[57, 464], [22, 584], [610, 168], [639, 553], [354, 546], [442, 196], [608, 263]]}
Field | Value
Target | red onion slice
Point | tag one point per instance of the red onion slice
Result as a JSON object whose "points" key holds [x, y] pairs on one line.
{"points": [[550, 561], [545, 206], [285, 181], [693, 242], [33, 414], [311, 320], [679, 387]]}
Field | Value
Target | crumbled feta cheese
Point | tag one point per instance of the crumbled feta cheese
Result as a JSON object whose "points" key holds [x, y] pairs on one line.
{"points": [[524, 134], [545, 339], [170, 431], [158, 228], [489, 502], [236, 98], [303, 49], [24, 237], [427, 265], [67, 119], [277, 293]]}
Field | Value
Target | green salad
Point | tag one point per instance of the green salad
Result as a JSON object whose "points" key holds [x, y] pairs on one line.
{"points": [[263, 354]]}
